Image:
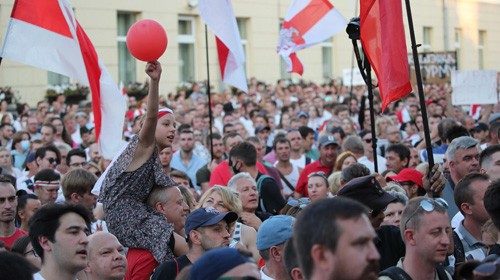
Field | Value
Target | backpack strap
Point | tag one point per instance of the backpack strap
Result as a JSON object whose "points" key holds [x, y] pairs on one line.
{"points": [[441, 273], [395, 273], [458, 250], [259, 187], [286, 181], [308, 160]]}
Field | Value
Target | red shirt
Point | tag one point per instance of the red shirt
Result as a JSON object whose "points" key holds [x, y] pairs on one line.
{"points": [[312, 167], [9, 240], [140, 264], [222, 173]]}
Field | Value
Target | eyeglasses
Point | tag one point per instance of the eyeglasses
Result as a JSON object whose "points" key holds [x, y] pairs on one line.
{"points": [[32, 251], [78, 164], [428, 205], [319, 173]]}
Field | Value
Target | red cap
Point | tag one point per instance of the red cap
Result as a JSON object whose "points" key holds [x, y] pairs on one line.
{"points": [[408, 175]]}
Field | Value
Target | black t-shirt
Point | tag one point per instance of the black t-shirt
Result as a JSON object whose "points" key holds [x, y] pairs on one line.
{"points": [[390, 246], [169, 270]]}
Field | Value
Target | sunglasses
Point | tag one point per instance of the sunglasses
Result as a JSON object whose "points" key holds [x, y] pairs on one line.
{"points": [[52, 160], [319, 174], [368, 141], [428, 205], [298, 202]]}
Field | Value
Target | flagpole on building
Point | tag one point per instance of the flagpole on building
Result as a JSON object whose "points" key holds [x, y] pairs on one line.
{"points": [[209, 98], [414, 46], [353, 32]]}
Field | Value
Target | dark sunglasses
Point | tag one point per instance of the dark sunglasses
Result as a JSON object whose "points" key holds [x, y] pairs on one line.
{"points": [[428, 205]]}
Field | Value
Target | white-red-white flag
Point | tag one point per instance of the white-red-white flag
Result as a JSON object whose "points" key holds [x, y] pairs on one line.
{"points": [[46, 34], [307, 22], [218, 15]]}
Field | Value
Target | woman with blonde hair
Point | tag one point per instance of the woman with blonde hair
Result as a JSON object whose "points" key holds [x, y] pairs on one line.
{"points": [[344, 160], [225, 200]]}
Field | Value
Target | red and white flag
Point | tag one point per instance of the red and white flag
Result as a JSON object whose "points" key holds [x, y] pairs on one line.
{"points": [[383, 39], [218, 15], [307, 22], [46, 34]]}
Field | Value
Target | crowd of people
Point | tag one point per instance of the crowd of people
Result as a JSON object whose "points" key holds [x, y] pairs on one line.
{"points": [[285, 182]]}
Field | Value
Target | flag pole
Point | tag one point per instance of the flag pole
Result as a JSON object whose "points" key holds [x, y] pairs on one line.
{"points": [[420, 87], [354, 34], [372, 113], [209, 98]]}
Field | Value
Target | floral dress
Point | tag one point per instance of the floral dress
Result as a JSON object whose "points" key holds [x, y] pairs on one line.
{"points": [[124, 196]]}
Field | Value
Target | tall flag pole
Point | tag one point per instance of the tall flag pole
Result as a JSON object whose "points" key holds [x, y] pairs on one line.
{"points": [[307, 23], [218, 15], [46, 35], [421, 96], [209, 97], [353, 31]]}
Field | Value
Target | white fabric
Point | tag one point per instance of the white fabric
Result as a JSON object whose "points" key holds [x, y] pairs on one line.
{"points": [[381, 162], [36, 46], [263, 275], [219, 17], [330, 24], [300, 162], [292, 178], [457, 220], [38, 276]]}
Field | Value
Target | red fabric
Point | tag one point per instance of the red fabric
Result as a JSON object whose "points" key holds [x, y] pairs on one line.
{"points": [[383, 39], [222, 173], [307, 18], [36, 13], [223, 53], [93, 74], [9, 240], [297, 66], [312, 167], [140, 264]]}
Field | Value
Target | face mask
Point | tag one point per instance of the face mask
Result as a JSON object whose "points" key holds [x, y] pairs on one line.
{"points": [[25, 145], [235, 169]]}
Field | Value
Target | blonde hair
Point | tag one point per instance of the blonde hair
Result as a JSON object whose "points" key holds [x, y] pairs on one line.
{"points": [[341, 158], [229, 198], [334, 182]]}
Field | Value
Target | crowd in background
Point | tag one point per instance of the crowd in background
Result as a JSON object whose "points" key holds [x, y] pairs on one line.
{"points": [[278, 183]]}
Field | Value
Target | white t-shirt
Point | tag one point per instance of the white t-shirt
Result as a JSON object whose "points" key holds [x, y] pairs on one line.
{"points": [[371, 165], [300, 162], [38, 276]]}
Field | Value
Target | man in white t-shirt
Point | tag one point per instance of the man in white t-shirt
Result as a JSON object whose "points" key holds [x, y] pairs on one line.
{"points": [[58, 233], [297, 156], [289, 173]]}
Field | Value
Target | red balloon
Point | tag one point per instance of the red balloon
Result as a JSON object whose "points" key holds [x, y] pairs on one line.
{"points": [[147, 40]]}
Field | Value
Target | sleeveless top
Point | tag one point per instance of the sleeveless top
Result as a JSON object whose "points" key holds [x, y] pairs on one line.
{"points": [[236, 235], [124, 197]]}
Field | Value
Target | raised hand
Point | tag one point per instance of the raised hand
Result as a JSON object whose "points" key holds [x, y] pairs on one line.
{"points": [[153, 69]]}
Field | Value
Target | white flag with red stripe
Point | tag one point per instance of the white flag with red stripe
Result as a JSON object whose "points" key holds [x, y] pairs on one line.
{"points": [[307, 22], [46, 34], [219, 17]]}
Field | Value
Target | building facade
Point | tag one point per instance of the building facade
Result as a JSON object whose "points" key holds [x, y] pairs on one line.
{"points": [[469, 27]]}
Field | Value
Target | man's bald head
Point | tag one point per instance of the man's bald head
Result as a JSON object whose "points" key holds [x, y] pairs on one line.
{"points": [[106, 257]]}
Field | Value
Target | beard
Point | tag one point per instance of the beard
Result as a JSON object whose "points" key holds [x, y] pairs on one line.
{"points": [[370, 272]]}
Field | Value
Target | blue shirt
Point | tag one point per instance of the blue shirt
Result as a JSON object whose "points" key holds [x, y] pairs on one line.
{"points": [[190, 169]]}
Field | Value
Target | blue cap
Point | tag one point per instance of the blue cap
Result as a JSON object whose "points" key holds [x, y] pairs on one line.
{"points": [[274, 231], [204, 217], [216, 262]]}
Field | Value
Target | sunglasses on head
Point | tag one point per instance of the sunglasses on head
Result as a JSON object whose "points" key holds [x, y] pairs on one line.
{"points": [[319, 173], [428, 205]]}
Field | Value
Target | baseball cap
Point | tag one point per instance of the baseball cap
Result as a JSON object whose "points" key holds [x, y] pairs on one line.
{"points": [[86, 129], [274, 231], [480, 127], [327, 140], [204, 217], [216, 262], [261, 128], [408, 175], [368, 191], [302, 114]]}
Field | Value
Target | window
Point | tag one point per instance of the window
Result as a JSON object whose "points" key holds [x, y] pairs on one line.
{"points": [[458, 43], [186, 39], [326, 59], [480, 48], [55, 79], [242, 27], [126, 63], [283, 65], [427, 45]]}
